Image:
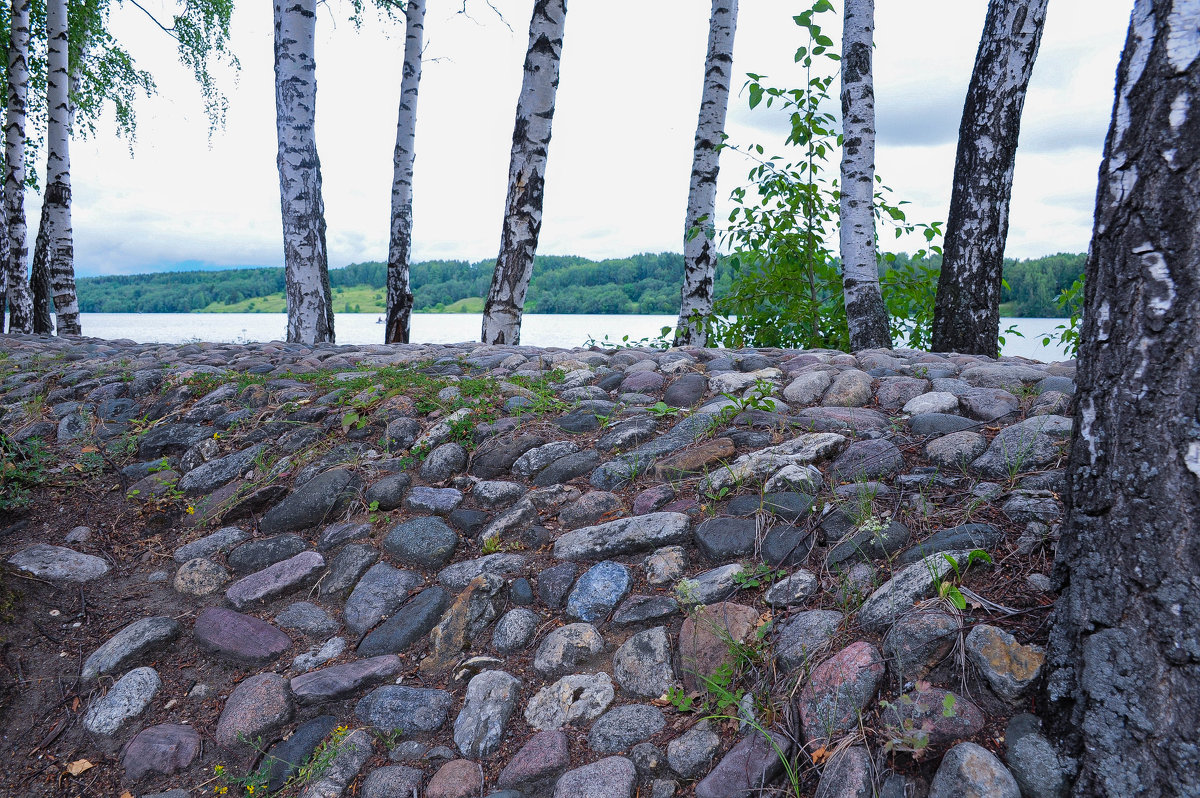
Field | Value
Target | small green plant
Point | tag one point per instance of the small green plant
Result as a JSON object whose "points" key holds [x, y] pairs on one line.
{"points": [[755, 576], [660, 341], [1067, 335], [495, 545], [948, 586], [661, 409], [22, 467], [390, 738], [901, 732]]}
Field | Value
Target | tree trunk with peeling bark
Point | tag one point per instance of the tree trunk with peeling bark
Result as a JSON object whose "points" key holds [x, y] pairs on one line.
{"points": [[305, 257], [399, 290], [967, 309], [20, 300], [526, 175], [39, 276], [1124, 655], [57, 199], [866, 315], [699, 248]]}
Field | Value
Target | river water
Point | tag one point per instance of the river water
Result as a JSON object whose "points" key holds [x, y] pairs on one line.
{"points": [[562, 330]]}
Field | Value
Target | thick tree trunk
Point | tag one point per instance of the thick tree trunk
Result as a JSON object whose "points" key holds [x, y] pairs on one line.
{"points": [[399, 290], [20, 300], [57, 198], [526, 175], [967, 309], [699, 248], [866, 314], [39, 276], [305, 257], [1125, 644]]}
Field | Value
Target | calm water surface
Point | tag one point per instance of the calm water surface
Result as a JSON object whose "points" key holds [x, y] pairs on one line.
{"points": [[565, 330]]}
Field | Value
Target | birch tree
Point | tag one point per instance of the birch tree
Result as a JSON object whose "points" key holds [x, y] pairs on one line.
{"points": [[60, 239], [399, 291], [866, 315], [526, 175], [967, 309], [699, 248], [1125, 642], [305, 257], [20, 301]]}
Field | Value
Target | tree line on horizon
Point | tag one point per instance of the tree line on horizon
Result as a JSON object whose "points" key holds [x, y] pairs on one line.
{"points": [[642, 283]]}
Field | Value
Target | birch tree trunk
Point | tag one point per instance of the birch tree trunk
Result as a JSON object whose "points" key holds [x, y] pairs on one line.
{"points": [[399, 290], [61, 252], [967, 309], [20, 300], [866, 315], [305, 257], [526, 175], [39, 275], [699, 248], [1125, 642]]}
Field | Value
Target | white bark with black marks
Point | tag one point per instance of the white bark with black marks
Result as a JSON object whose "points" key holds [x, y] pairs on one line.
{"points": [[57, 199], [399, 290], [1124, 655], [699, 248], [20, 299], [967, 309], [305, 257], [526, 175], [866, 315]]}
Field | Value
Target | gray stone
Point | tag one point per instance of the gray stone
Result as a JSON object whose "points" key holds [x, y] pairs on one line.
{"points": [[597, 591], [307, 617], [490, 699], [870, 541], [752, 763], [538, 764], [847, 775], [573, 699], [971, 771], [642, 665], [623, 468], [380, 592], [277, 580], [640, 609], [897, 595], [629, 432], [239, 638], [498, 455], [554, 583], [722, 539], [787, 505], [163, 750], [335, 535], [496, 495], [401, 434], [422, 542], [963, 538], [567, 647], [126, 699], [940, 424], [622, 536], [956, 450], [78, 535], [514, 630], [1032, 760], [567, 468], [850, 388], [801, 451], [1024, 506], [57, 564], [1010, 669], [691, 754], [588, 509], [200, 577], [317, 656], [393, 781], [917, 642], [221, 540], [710, 586], [792, 590], [804, 637], [355, 749], [456, 577], [665, 565], [1010, 376], [410, 623], [988, 404], [1026, 446], [612, 777], [258, 707], [215, 473], [839, 690], [619, 728], [940, 717], [348, 565], [313, 502], [415, 710], [809, 387], [537, 458], [444, 462], [686, 390], [869, 459], [286, 756], [343, 681], [441, 501], [259, 554], [932, 402], [135, 641], [388, 493]]}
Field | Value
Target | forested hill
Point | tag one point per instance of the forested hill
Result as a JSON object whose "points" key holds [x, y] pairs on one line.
{"points": [[645, 283]]}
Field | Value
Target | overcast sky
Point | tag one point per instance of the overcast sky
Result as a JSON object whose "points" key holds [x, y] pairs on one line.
{"points": [[617, 178]]}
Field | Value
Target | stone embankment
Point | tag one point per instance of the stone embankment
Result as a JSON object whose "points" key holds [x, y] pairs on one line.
{"points": [[455, 571]]}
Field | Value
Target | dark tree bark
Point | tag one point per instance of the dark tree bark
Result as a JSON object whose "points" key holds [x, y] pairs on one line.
{"points": [[526, 175], [1124, 686], [399, 290], [39, 277], [20, 300], [966, 314]]}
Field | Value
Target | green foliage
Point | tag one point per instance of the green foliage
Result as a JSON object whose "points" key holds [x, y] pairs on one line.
{"points": [[22, 467], [948, 586], [1071, 301], [660, 341], [757, 575], [787, 285]]}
